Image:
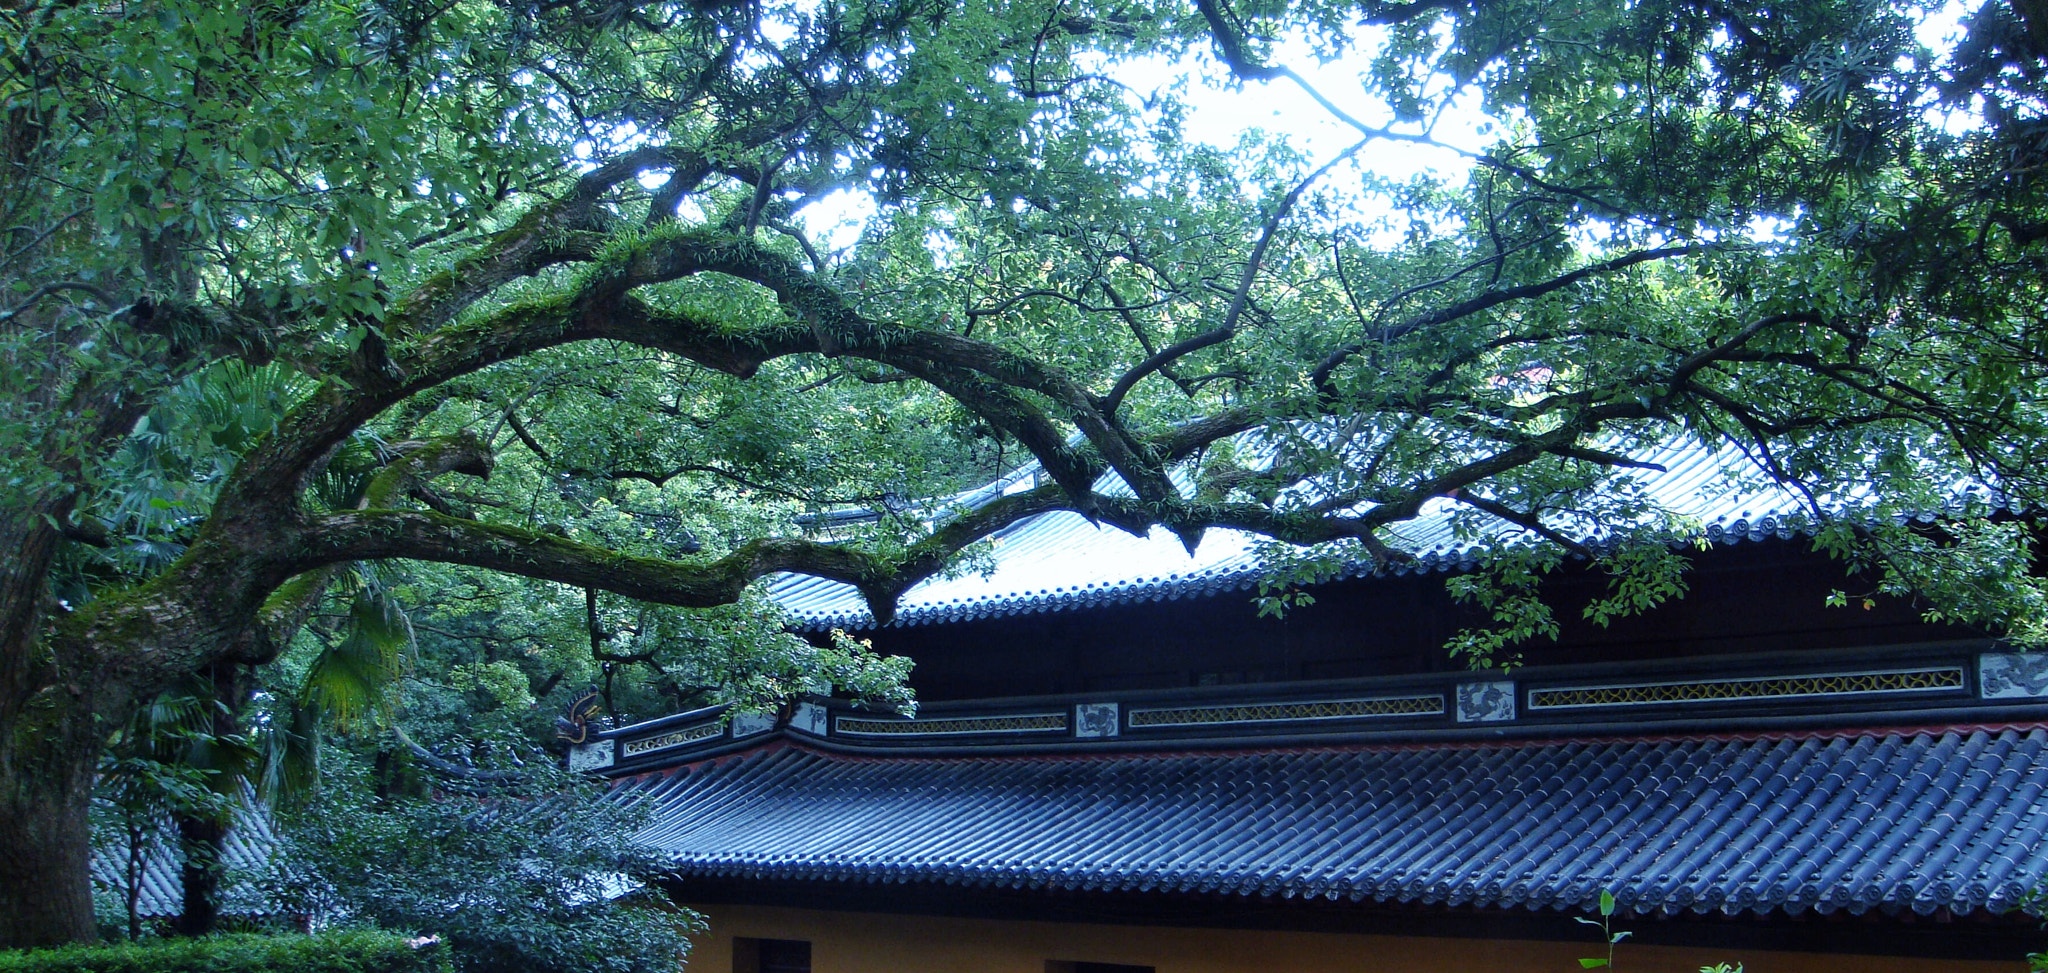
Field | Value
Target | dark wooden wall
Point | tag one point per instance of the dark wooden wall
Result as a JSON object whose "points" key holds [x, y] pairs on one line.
{"points": [[1764, 596]]}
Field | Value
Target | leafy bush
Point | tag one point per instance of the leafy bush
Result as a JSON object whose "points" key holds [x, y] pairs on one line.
{"points": [[536, 873], [350, 951]]}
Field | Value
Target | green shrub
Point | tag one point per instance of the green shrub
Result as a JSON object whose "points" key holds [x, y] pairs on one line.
{"points": [[333, 952], [530, 877]]}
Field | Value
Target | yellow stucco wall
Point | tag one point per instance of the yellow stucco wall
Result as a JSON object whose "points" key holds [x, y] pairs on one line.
{"points": [[855, 942]]}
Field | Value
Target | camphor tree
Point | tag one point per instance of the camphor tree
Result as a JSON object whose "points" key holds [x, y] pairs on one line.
{"points": [[286, 281]]}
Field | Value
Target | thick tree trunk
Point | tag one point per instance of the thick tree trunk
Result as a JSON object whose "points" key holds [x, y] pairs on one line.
{"points": [[68, 676], [48, 751], [46, 843], [59, 697]]}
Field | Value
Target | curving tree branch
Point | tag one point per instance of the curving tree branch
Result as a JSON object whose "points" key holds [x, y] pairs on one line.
{"points": [[1320, 377]]}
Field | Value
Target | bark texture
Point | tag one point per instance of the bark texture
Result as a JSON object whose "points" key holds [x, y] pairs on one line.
{"points": [[47, 766]]}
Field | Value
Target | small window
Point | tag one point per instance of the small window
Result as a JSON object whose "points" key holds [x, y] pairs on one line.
{"points": [[770, 955], [1068, 966]]}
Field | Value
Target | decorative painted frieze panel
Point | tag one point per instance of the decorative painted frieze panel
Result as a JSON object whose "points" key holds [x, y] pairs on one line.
{"points": [[1887, 681], [1026, 723], [751, 724], [1486, 702], [1420, 704], [593, 756], [675, 738], [1095, 720], [2012, 675], [810, 718]]}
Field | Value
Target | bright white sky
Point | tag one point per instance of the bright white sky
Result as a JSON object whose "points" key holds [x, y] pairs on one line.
{"points": [[1225, 111]]}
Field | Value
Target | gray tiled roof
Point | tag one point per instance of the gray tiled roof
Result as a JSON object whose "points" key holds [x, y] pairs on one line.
{"points": [[247, 847], [1059, 561], [1892, 821]]}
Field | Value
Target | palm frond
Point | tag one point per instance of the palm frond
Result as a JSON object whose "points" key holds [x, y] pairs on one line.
{"points": [[353, 677], [289, 767]]}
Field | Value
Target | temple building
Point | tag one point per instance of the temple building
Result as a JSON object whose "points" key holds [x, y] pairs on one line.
{"points": [[1118, 765]]}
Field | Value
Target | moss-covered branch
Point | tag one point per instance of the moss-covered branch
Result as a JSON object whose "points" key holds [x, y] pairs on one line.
{"points": [[430, 536]]}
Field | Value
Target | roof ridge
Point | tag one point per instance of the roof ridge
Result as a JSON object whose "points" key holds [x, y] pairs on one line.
{"points": [[1168, 751]]}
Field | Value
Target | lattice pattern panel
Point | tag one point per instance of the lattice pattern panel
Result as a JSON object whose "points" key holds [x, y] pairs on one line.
{"points": [[1032, 723], [1770, 687], [1325, 709], [689, 734]]}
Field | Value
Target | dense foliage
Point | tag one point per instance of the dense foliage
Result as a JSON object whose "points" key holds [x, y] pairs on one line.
{"points": [[332, 952], [532, 875], [529, 318]]}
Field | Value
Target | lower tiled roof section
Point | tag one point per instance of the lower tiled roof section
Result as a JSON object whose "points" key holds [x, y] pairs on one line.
{"points": [[161, 885], [1917, 821]]}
